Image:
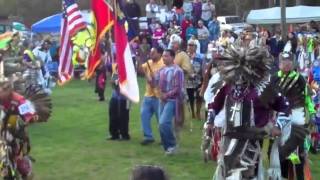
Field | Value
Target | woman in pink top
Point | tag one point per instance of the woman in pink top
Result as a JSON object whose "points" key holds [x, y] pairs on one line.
{"points": [[158, 35]]}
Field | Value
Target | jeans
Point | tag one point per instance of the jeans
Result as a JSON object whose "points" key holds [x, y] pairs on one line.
{"points": [[167, 113], [150, 106], [204, 46]]}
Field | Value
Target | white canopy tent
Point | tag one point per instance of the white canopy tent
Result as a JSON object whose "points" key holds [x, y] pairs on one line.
{"points": [[296, 14]]}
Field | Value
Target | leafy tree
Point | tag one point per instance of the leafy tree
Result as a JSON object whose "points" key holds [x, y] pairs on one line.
{"points": [[34, 10]]}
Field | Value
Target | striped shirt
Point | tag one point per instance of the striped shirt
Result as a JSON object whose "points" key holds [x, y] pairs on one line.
{"points": [[170, 80]]}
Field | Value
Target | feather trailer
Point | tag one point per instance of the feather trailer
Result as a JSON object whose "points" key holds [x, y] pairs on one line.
{"points": [[41, 102], [297, 136]]}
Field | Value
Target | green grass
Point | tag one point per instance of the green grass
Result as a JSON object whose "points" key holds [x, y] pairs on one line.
{"points": [[72, 145]]}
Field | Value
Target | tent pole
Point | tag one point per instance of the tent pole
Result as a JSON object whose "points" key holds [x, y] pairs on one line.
{"points": [[283, 20]]}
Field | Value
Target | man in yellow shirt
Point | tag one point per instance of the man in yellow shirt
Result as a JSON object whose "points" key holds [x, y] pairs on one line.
{"points": [[183, 61], [150, 104]]}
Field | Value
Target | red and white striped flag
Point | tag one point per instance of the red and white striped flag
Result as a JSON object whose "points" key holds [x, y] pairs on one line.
{"points": [[127, 74], [72, 22]]}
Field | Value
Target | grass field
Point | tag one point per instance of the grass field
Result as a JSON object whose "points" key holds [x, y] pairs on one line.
{"points": [[73, 146]]}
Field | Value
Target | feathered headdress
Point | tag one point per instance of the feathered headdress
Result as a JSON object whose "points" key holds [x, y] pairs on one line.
{"points": [[253, 65]]}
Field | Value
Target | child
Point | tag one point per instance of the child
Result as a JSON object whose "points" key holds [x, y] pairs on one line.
{"points": [[157, 35], [101, 77], [118, 111]]}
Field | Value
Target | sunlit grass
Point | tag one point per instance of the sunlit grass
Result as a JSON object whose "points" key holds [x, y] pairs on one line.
{"points": [[73, 146]]}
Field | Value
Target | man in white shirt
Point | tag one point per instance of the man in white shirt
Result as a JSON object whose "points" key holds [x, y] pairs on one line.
{"points": [[207, 10], [42, 53], [151, 10], [203, 37], [187, 8]]}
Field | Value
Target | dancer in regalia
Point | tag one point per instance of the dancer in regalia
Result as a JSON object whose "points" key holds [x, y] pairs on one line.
{"points": [[293, 85], [249, 100], [16, 113]]}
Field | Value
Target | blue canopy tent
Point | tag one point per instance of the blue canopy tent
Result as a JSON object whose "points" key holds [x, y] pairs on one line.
{"points": [[52, 23]]}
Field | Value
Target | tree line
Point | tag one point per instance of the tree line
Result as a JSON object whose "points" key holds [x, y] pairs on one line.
{"points": [[33, 10]]}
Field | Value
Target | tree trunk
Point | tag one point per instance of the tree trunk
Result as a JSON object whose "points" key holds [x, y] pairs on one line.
{"points": [[237, 7], [257, 4], [283, 20], [270, 3], [299, 2]]}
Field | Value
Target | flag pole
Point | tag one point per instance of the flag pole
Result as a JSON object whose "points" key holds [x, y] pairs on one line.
{"points": [[114, 5], [110, 46], [1, 68], [115, 21], [284, 29]]}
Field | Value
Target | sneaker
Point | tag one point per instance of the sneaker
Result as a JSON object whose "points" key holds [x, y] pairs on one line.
{"points": [[147, 142], [171, 151]]}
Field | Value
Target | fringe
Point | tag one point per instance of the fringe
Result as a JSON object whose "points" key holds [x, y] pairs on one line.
{"points": [[274, 172]]}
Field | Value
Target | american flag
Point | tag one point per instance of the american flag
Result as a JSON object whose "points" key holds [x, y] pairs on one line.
{"points": [[72, 22]]}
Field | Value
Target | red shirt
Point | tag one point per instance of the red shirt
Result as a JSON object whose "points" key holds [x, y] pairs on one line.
{"points": [[184, 25]]}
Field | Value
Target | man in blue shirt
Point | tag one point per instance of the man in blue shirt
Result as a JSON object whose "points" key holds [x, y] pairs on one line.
{"points": [[214, 29]]}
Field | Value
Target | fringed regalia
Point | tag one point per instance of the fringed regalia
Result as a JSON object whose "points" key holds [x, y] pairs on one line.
{"points": [[17, 110], [293, 85], [249, 101]]}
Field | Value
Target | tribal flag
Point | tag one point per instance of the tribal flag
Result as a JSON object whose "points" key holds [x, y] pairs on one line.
{"points": [[4, 39], [103, 21], [127, 74], [72, 22]]}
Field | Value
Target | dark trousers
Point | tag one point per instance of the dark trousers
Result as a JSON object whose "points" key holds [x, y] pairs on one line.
{"points": [[194, 96], [299, 168], [118, 118]]}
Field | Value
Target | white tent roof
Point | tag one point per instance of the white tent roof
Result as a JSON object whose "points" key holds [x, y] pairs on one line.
{"points": [[296, 14]]}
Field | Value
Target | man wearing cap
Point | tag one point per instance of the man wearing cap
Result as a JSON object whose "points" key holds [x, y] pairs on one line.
{"points": [[294, 87], [193, 82]]}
